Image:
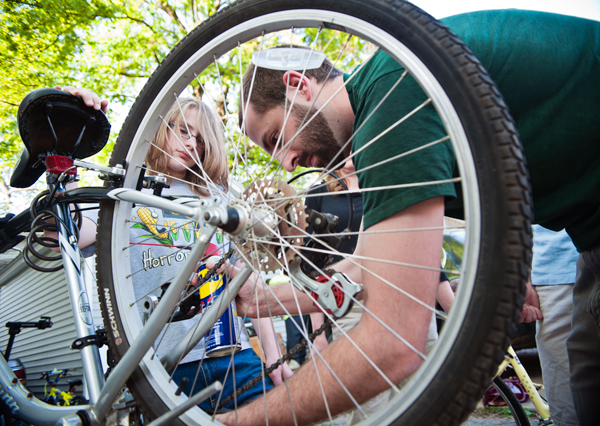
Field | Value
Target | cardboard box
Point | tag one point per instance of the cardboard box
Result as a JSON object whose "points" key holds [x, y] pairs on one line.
{"points": [[256, 345]]}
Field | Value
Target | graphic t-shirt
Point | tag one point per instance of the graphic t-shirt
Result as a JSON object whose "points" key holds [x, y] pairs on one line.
{"points": [[160, 242]]}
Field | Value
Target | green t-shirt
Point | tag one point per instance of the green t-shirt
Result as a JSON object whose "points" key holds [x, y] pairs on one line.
{"points": [[366, 90], [547, 67]]}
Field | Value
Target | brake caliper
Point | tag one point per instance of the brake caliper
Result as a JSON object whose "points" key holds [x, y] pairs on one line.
{"points": [[336, 293], [333, 292]]}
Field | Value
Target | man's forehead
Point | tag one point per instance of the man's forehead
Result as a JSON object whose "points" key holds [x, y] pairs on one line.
{"points": [[259, 125]]}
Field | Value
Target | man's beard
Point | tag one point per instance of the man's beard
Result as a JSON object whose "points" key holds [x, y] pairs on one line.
{"points": [[317, 139]]}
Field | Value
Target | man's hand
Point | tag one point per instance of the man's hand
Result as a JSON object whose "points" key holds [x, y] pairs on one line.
{"points": [[280, 299], [89, 98], [531, 308]]}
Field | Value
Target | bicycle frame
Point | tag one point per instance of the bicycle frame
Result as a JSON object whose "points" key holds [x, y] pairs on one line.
{"points": [[540, 404], [25, 406], [102, 395], [84, 323]]}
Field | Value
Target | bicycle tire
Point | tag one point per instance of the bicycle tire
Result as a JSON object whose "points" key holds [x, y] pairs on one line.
{"points": [[78, 400], [517, 410], [483, 320]]}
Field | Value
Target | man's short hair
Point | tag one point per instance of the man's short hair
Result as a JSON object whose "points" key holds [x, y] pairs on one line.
{"points": [[268, 90]]}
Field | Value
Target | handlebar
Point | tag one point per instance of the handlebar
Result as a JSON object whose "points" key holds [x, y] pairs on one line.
{"points": [[59, 374]]}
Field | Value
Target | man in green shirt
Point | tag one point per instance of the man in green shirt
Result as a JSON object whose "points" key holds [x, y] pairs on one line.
{"points": [[548, 70]]}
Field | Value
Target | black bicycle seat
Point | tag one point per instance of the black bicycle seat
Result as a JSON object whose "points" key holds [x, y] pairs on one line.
{"points": [[53, 121], [74, 383]]}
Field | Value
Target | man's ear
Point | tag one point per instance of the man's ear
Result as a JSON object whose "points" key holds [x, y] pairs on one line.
{"points": [[294, 80]]}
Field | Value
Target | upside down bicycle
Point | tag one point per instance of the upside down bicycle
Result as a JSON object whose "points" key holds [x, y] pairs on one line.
{"points": [[266, 223]]}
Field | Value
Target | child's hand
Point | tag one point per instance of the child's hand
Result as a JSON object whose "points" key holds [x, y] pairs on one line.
{"points": [[89, 98]]}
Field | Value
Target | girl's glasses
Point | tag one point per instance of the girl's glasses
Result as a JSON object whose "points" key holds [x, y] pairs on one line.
{"points": [[183, 133]]}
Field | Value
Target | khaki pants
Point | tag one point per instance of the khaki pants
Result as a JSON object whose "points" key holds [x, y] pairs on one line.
{"points": [[556, 304]]}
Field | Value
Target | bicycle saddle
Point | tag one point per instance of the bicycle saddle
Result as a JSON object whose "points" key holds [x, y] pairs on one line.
{"points": [[74, 383], [53, 121]]}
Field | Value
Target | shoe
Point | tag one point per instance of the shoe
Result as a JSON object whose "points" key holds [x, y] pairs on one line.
{"points": [[293, 364]]}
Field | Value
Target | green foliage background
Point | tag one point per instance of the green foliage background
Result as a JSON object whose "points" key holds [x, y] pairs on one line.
{"points": [[112, 48]]}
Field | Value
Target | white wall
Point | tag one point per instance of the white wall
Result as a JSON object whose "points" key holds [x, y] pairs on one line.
{"points": [[26, 295]]}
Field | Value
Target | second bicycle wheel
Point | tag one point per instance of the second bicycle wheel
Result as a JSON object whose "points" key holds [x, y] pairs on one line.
{"points": [[511, 401], [490, 177]]}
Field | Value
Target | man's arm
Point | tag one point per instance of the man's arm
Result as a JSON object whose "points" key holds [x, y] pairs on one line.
{"points": [[351, 267], [271, 299], [407, 318]]}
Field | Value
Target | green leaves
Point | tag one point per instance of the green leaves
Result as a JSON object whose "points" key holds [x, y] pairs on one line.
{"points": [[110, 47]]}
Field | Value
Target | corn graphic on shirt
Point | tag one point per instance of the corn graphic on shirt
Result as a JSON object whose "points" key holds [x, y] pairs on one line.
{"points": [[159, 244]]}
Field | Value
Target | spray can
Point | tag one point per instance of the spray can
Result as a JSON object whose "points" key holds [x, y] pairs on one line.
{"points": [[224, 337]]}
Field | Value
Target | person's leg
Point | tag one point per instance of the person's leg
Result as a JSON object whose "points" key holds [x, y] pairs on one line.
{"points": [[294, 336], [247, 366], [556, 304], [584, 342], [199, 377]]}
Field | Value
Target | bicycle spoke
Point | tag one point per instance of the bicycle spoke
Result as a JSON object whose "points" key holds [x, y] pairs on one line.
{"points": [[273, 234]]}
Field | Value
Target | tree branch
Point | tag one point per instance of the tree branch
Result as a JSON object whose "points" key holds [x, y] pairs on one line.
{"points": [[8, 103], [4, 188], [171, 12], [126, 74], [138, 20], [194, 11], [35, 4]]}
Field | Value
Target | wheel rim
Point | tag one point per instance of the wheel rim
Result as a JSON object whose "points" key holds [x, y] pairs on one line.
{"points": [[203, 58]]}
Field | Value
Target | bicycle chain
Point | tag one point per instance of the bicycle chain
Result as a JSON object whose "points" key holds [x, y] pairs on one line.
{"points": [[212, 271], [274, 366]]}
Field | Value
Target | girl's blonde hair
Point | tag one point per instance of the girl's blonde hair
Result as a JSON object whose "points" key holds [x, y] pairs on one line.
{"points": [[211, 132]]}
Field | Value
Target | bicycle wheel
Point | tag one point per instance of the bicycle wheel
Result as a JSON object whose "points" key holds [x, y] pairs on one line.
{"points": [[491, 175], [78, 400], [517, 410]]}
